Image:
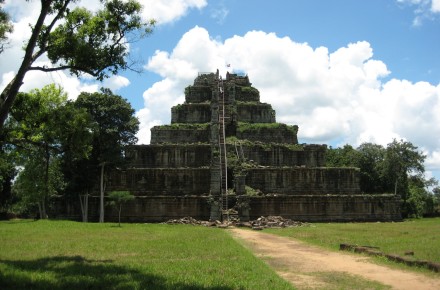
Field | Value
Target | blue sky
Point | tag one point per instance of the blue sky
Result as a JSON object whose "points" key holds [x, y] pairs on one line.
{"points": [[344, 71]]}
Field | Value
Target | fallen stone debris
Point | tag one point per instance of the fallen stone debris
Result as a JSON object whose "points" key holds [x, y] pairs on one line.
{"points": [[374, 251], [258, 224], [187, 221], [275, 222]]}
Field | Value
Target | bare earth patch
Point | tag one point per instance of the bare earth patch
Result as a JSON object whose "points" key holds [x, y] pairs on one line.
{"points": [[309, 267]]}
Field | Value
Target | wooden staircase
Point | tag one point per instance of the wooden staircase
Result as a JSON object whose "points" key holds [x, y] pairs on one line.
{"points": [[223, 116]]}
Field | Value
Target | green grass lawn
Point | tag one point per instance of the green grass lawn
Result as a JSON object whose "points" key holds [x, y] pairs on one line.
{"points": [[421, 236], [71, 255]]}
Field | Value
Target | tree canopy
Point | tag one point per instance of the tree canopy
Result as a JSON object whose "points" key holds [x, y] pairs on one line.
{"points": [[115, 127], [397, 168], [5, 27], [35, 132], [115, 124], [61, 146], [77, 40]]}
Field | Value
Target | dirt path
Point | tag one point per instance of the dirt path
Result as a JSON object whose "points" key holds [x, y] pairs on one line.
{"points": [[304, 265]]}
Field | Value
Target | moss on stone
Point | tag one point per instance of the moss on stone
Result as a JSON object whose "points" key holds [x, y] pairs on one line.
{"points": [[183, 126], [258, 128]]}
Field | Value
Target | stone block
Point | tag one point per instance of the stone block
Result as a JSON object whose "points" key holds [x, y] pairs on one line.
{"points": [[255, 113], [268, 133], [191, 113], [247, 94], [180, 133], [168, 156], [161, 181], [280, 155], [328, 208], [304, 181]]}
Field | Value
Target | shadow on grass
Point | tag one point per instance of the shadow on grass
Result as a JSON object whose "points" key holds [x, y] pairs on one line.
{"points": [[76, 272]]}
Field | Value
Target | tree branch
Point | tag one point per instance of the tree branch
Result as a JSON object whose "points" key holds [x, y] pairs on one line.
{"points": [[10, 92], [64, 67], [49, 29], [22, 142]]}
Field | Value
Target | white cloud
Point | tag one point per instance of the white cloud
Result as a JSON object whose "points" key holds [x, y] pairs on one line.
{"points": [[18, 11], [166, 11], [435, 6], [433, 160], [146, 122], [23, 15], [71, 85], [115, 82], [423, 9], [219, 13], [338, 96]]}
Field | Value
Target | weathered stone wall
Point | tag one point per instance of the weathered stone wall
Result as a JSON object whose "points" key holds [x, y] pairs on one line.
{"points": [[255, 113], [279, 155], [247, 94], [141, 209], [191, 113], [300, 208], [180, 134], [268, 133], [300, 181], [242, 80], [207, 78], [161, 181], [328, 208], [168, 156], [199, 94]]}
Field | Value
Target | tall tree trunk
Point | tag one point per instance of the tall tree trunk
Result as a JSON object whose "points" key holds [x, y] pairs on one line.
{"points": [[40, 210], [84, 202], [46, 180], [120, 209], [86, 209], [102, 189], [82, 206], [43, 208], [9, 93]]}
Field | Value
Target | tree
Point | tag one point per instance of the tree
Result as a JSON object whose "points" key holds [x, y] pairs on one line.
{"points": [[43, 127], [79, 41], [341, 157], [38, 182], [401, 160], [117, 199], [115, 127], [32, 129], [398, 169], [370, 162], [420, 201], [436, 200], [76, 145], [5, 27], [7, 174]]}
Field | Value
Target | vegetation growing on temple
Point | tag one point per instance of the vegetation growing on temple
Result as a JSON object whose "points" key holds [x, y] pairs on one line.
{"points": [[261, 128], [183, 126]]}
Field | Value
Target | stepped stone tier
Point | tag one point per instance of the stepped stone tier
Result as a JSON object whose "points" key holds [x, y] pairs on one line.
{"points": [[269, 172]]}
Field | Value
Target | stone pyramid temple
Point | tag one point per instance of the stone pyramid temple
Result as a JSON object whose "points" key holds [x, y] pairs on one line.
{"points": [[224, 156]]}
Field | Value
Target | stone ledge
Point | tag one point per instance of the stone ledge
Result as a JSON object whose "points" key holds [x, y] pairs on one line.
{"points": [[374, 251]]}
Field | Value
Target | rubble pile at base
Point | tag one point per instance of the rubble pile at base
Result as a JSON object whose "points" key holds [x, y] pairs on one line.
{"points": [[258, 224], [275, 222], [188, 221]]}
